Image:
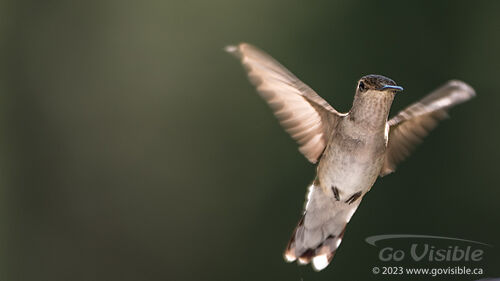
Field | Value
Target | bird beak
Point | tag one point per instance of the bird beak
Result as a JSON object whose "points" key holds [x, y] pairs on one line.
{"points": [[391, 87]]}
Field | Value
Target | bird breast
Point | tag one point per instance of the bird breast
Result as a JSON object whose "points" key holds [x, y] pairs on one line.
{"points": [[351, 161]]}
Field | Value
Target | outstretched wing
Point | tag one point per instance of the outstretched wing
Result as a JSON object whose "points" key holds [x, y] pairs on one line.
{"points": [[307, 117], [411, 125]]}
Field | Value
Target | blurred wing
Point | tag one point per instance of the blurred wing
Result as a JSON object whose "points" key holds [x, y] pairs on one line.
{"points": [[410, 126], [307, 117]]}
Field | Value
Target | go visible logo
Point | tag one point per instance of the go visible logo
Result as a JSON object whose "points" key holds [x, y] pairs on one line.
{"points": [[463, 250]]}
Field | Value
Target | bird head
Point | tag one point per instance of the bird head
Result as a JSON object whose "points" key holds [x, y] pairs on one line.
{"points": [[377, 85]]}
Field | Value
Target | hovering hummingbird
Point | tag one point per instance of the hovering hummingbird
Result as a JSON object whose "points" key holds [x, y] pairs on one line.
{"points": [[351, 149]]}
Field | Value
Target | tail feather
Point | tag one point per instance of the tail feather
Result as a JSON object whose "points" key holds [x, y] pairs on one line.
{"points": [[320, 230]]}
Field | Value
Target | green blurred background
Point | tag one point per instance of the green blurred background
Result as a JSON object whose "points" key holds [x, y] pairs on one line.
{"points": [[133, 148]]}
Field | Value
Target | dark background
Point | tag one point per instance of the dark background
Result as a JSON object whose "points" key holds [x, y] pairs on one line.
{"points": [[133, 148]]}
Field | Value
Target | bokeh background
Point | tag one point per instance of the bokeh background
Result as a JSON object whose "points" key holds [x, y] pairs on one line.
{"points": [[133, 148]]}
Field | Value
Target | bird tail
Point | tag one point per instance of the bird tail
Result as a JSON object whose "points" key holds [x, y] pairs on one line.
{"points": [[320, 229]]}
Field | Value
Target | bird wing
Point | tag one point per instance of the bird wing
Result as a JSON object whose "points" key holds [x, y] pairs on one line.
{"points": [[410, 126], [307, 117]]}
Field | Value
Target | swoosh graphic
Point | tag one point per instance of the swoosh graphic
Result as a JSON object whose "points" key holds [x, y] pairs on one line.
{"points": [[373, 239]]}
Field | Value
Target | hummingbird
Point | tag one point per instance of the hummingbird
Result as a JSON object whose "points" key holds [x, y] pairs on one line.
{"points": [[351, 149]]}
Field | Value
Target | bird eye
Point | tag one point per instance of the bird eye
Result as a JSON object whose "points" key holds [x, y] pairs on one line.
{"points": [[361, 86]]}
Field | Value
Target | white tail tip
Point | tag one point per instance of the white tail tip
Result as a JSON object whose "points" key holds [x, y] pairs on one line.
{"points": [[320, 262]]}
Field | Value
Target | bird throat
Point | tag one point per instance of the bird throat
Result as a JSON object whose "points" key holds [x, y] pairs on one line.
{"points": [[371, 109]]}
